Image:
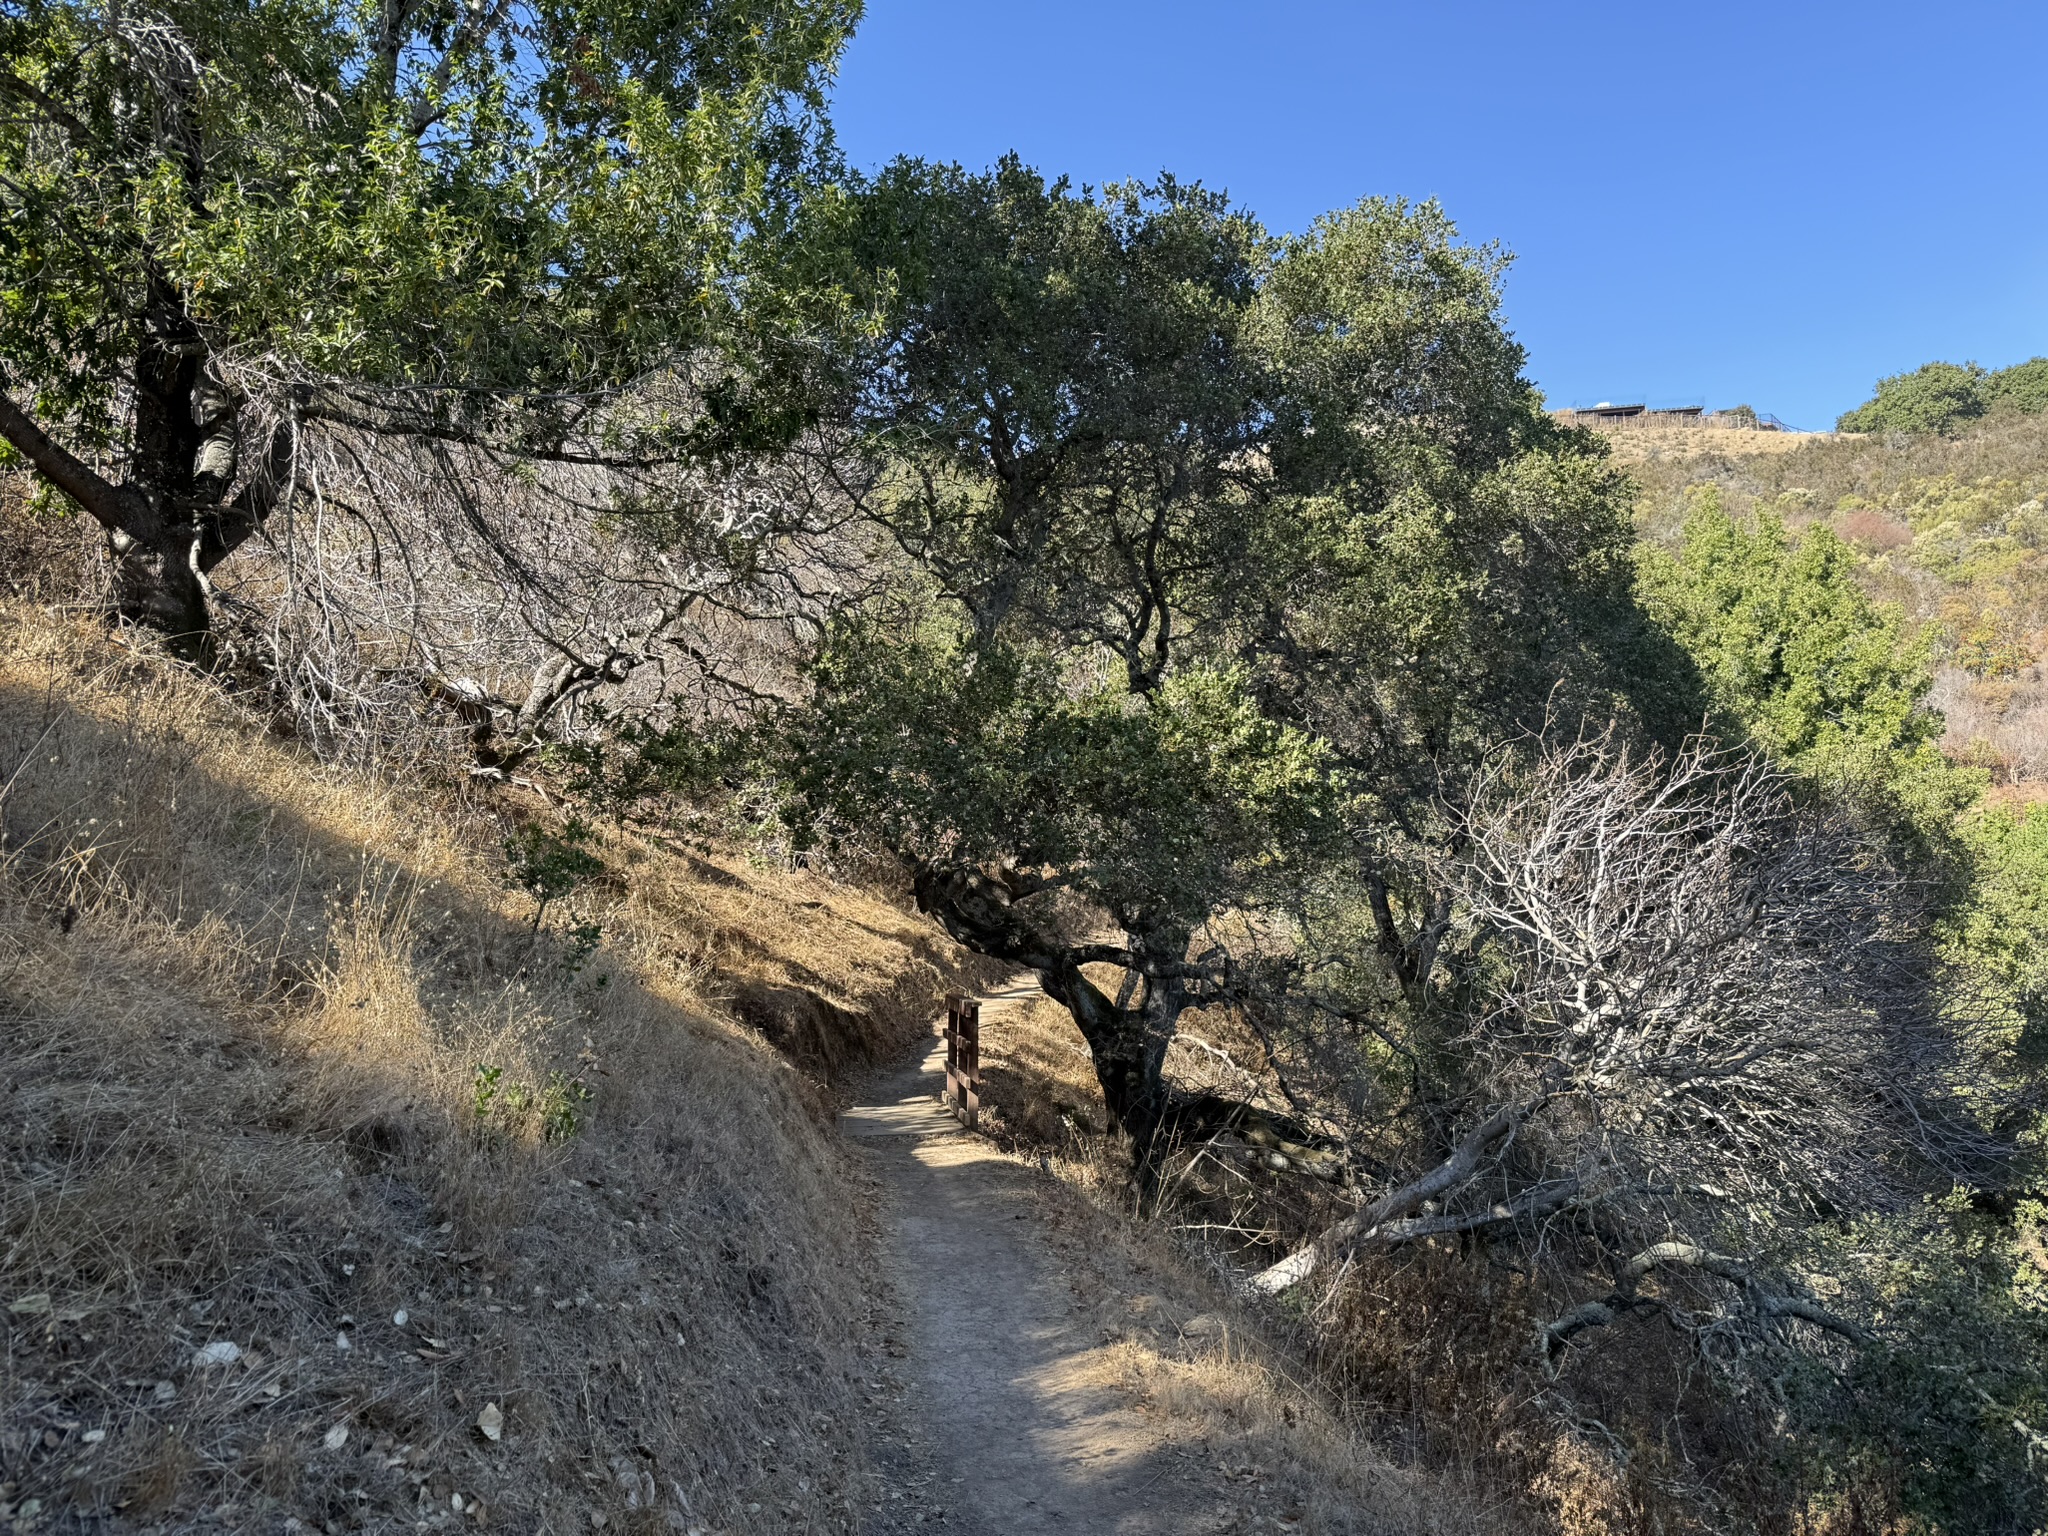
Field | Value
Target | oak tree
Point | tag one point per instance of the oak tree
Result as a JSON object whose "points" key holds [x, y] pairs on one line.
{"points": [[481, 221]]}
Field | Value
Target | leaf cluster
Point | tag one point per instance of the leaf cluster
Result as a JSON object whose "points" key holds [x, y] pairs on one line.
{"points": [[935, 748]]}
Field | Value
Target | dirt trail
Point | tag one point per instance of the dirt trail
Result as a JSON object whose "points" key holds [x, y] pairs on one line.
{"points": [[996, 1429]]}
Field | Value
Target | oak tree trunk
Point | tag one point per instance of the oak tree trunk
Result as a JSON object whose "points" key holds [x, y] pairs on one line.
{"points": [[172, 521], [1127, 1036]]}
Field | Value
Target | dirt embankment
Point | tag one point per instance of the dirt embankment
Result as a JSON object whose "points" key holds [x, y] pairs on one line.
{"points": [[334, 1196]]}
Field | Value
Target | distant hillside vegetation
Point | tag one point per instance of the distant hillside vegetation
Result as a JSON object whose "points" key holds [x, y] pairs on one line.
{"points": [[1953, 528], [1943, 398]]}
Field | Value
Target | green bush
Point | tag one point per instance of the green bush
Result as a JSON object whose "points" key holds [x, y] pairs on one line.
{"points": [[548, 865], [1940, 1414], [1944, 397], [1797, 658], [2022, 387], [1937, 397]]}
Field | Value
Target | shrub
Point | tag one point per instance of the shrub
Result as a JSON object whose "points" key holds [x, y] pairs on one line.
{"points": [[1872, 530], [1936, 397], [1943, 397], [548, 865], [2022, 387]]}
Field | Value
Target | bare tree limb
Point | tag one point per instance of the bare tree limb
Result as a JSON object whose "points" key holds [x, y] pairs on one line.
{"points": [[1449, 1174], [117, 508]]}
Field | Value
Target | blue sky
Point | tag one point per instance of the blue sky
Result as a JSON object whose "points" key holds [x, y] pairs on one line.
{"points": [[1763, 203]]}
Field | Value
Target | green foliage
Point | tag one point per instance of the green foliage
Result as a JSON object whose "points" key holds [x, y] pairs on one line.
{"points": [[1177, 498], [1941, 1413], [1942, 1410], [548, 198], [1944, 397], [637, 764], [1999, 935], [1796, 656], [1056, 388], [1384, 335], [548, 865], [2022, 388], [1430, 535], [1937, 397], [583, 939], [557, 1106], [1161, 804]]}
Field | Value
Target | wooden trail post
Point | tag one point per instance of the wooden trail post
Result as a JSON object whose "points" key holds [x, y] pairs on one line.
{"points": [[963, 1058]]}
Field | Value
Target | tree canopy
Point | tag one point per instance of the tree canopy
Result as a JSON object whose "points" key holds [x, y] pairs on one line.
{"points": [[1218, 550], [1945, 397], [218, 222]]}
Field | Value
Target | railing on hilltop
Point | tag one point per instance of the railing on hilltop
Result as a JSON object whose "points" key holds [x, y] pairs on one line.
{"points": [[1637, 418]]}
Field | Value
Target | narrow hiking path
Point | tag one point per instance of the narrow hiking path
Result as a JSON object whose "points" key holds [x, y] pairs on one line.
{"points": [[999, 1424]]}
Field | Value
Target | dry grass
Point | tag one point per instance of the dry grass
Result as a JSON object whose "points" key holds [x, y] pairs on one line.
{"points": [[1295, 1461], [1686, 445], [1418, 1408], [1040, 1092], [245, 1001], [1314, 1446], [1999, 724]]}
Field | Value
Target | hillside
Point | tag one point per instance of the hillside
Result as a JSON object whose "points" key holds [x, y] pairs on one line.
{"points": [[339, 1196], [335, 1194], [1950, 528], [551, 613], [1656, 445]]}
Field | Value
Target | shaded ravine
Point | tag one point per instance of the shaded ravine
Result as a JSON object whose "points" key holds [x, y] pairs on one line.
{"points": [[1000, 1432]]}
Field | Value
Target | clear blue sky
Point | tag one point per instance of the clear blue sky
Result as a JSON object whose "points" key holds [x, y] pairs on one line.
{"points": [[1771, 203]]}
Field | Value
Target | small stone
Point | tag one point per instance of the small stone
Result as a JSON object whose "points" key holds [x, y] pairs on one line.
{"points": [[398, 1318], [163, 1392], [219, 1352]]}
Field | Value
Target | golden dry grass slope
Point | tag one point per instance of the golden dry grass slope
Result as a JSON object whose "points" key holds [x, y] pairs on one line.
{"points": [[333, 1197], [1636, 445]]}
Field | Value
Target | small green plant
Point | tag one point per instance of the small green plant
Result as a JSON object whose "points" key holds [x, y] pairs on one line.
{"points": [[559, 1103], [486, 1095], [548, 865], [582, 942], [562, 1106]]}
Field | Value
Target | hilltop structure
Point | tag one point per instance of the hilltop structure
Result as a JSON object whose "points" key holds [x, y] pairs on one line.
{"points": [[1610, 416]]}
